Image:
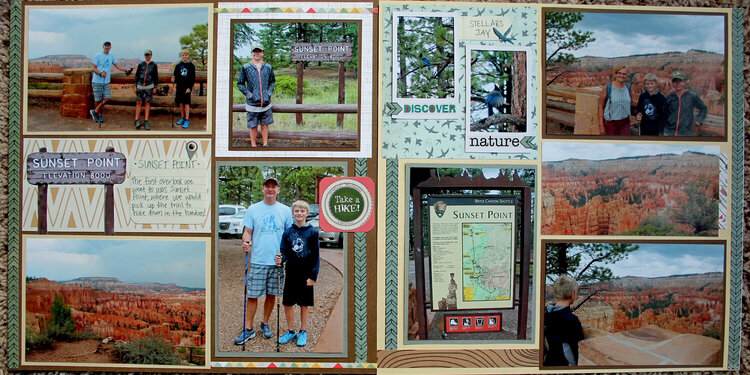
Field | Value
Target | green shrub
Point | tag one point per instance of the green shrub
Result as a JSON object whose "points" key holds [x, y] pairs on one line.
{"points": [[149, 351], [45, 86], [287, 85], [36, 341], [61, 326]]}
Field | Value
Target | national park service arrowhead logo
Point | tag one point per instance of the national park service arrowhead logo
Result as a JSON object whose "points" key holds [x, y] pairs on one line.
{"points": [[440, 208], [347, 204]]}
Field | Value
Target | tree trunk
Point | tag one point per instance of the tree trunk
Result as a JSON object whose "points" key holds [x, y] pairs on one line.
{"points": [[518, 99], [401, 59]]}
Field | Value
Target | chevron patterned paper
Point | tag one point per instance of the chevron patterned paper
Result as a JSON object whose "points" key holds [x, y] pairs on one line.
{"points": [[80, 208], [14, 166]]}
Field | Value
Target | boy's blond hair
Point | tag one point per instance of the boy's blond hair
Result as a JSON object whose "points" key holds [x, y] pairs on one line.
{"points": [[564, 287], [301, 204], [184, 52], [650, 77]]}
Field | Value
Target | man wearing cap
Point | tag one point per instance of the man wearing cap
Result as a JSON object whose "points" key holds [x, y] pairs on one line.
{"points": [[679, 107], [264, 224], [102, 70], [146, 79], [257, 82]]}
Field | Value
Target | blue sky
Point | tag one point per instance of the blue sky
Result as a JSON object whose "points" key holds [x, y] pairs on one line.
{"points": [[131, 261], [655, 260], [82, 31], [556, 151], [626, 34]]}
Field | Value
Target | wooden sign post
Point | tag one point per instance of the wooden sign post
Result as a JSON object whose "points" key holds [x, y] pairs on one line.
{"points": [[76, 168], [326, 52], [518, 202]]}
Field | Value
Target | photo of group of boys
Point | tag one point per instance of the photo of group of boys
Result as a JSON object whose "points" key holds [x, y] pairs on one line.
{"points": [[159, 68]]}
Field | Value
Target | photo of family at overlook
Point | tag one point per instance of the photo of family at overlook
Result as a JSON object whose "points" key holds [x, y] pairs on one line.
{"points": [[113, 89], [283, 262], [608, 75]]}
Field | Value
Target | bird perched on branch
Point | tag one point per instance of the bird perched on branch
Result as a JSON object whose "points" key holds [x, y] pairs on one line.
{"points": [[425, 61], [494, 100]]}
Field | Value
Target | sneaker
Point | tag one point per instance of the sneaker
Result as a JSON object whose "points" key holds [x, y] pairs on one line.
{"points": [[181, 121], [185, 124], [138, 124], [94, 115], [146, 125], [245, 336], [302, 338], [266, 330], [101, 119], [288, 336]]}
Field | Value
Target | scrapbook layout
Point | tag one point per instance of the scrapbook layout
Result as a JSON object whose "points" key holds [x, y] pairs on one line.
{"points": [[374, 187]]}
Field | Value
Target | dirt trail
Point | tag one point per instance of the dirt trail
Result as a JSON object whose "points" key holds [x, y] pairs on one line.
{"points": [[83, 351]]}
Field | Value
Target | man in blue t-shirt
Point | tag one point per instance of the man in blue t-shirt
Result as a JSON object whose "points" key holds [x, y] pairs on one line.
{"points": [[102, 66], [264, 224]]}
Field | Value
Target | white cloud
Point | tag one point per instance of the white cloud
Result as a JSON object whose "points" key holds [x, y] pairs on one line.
{"points": [[648, 264], [58, 265]]}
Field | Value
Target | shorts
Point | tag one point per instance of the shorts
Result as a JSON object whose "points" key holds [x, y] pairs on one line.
{"points": [[259, 118], [101, 91], [182, 97], [145, 95], [262, 280], [296, 292]]}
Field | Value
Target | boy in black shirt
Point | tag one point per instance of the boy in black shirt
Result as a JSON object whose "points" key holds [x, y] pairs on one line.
{"points": [[184, 79], [562, 329], [651, 107], [300, 251]]}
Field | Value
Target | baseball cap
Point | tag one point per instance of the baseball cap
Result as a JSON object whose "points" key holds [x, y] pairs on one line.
{"points": [[147, 52], [257, 46], [678, 75], [271, 179]]}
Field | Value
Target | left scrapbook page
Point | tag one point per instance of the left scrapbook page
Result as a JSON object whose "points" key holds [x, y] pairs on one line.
{"points": [[192, 187]]}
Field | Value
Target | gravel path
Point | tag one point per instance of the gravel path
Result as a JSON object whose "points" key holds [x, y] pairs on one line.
{"points": [[229, 309]]}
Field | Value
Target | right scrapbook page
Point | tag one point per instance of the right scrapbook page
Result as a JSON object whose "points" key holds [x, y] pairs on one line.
{"points": [[562, 188]]}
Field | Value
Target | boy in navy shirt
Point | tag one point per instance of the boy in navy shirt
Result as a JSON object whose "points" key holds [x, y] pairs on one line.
{"points": [[184, 78], [300, 251], [562, 329]]}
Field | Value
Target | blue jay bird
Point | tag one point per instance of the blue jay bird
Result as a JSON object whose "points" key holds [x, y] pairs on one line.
{"points": [[425, 61], [494, 99]]}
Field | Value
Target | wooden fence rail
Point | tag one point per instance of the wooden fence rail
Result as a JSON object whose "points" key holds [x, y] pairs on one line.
{"points": [[117, 77], [306, 108], [338, 135]]}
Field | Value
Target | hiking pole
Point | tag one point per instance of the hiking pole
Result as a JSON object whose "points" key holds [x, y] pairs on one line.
{"points": [[174, 86], [244, 308], [278, 307]]}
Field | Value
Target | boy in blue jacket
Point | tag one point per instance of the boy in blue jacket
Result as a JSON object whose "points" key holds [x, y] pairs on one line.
{"points": [[300, 252]]}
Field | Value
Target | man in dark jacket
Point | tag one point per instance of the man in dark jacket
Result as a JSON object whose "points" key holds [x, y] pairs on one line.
{"points": [[257, 82], [562, 329], [146, 79], [680, 106]]}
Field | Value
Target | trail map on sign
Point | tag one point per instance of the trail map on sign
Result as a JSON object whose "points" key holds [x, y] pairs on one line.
{"points": [[486, 261], [472, 247]]}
